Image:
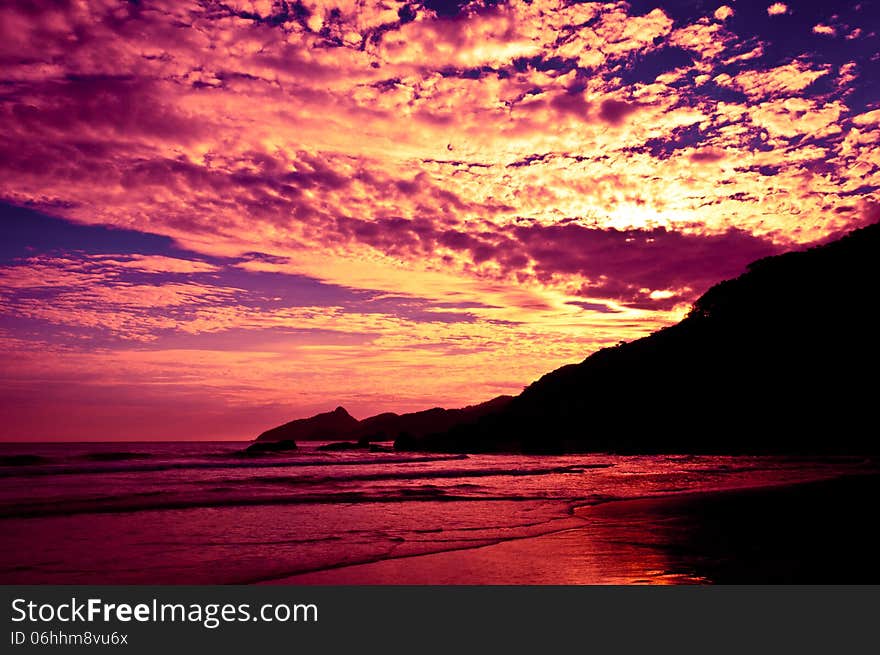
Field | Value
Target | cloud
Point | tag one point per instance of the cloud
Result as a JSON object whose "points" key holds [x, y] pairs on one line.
{"points": [[777, 9], [787, 78], [723, 13], [103, 293], [159, 264], [616, 111], [707, 155], [704, 37], [868, 118]]}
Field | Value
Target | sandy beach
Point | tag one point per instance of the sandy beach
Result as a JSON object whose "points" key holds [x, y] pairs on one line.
{"points": [[809, 533]]}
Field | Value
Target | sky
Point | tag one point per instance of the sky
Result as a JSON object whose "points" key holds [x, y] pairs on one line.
{"points": [[217, 217]]}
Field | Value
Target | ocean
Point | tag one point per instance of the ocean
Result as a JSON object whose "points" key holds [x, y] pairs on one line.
{"points": [[201, 513]]}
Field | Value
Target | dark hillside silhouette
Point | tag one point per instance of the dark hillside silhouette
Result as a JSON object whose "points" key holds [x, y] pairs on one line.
{"points": [[340, 425], [783, 358], [428, 421], [320, 426]]}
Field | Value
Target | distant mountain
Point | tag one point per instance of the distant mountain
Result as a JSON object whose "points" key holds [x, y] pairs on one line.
{"points": [[340, 425], [321, 426], [429, 421], [782, 359]]}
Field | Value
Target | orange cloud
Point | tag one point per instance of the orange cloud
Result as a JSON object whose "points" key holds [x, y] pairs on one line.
{"points": [[723, 13], [821, 28], [787, 78]]}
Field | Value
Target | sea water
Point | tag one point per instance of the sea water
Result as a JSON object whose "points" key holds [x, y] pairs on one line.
{"points": [[202, 513]]}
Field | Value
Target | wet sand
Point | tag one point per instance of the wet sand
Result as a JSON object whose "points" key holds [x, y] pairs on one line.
{"points": [[811, 533]]}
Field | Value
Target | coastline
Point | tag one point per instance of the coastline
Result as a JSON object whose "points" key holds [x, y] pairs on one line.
{"points": [[816, 532]]}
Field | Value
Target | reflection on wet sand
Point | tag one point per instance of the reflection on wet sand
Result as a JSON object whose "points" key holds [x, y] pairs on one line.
{"points": [[806, 533]]}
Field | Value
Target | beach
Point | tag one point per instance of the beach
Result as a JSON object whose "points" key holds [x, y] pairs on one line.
{"points": [[805, 533]]}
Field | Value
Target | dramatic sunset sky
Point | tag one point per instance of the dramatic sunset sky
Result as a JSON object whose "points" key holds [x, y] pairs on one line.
{"points": [[218, 216]]}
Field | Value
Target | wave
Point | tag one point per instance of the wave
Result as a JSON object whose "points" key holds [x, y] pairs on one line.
{"points": [[23, 460], [137, 503], [364, 460], [514, 532], [413, 475], [114, 456]]}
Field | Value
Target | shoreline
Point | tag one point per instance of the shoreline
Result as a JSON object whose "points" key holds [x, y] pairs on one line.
{"points": [[752, 535]]}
